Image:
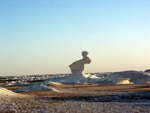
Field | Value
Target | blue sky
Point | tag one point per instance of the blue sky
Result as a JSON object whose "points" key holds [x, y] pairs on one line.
{"points": [[45, 36]]}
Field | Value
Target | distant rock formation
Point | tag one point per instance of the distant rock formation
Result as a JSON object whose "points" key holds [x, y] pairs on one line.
{"points": [[78, 76], [137, 77], [36, 87], [77, 68], [80, 64]]}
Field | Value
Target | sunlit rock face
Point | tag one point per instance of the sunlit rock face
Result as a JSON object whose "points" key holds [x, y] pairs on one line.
{"points": [[5, 93], [122, 81]]}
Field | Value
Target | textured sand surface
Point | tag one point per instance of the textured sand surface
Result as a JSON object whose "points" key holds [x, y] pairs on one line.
{"points": [[76, 100]]}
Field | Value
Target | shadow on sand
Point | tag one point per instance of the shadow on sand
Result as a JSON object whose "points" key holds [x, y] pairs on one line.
{"points": [[130, 97]]}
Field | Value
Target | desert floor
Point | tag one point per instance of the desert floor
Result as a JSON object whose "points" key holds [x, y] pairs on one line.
{"points": [[81, 98]]}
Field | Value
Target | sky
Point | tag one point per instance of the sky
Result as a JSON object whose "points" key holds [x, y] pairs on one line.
{"points": [[45, 36]]}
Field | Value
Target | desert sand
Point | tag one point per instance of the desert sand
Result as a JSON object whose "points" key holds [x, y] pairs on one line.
{"points": [[81, 98]]}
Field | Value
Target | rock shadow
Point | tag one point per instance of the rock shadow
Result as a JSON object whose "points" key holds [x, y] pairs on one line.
{"points": [[130, 97]]}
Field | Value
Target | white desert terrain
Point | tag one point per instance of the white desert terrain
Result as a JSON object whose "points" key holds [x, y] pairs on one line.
{"points": [[53, 96]]}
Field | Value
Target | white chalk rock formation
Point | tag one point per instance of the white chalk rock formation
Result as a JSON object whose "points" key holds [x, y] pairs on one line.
{"points": [[14, 83], [129, 77], [77, 68], [36, 87], [5, 93], [122, 81]]}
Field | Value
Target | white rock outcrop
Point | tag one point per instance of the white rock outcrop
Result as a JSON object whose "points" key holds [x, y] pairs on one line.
{"points": [[36, 87], [77, 68], [5, 93]]}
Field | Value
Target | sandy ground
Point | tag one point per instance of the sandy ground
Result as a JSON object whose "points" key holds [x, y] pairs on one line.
{"points": [[76, 100]]}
